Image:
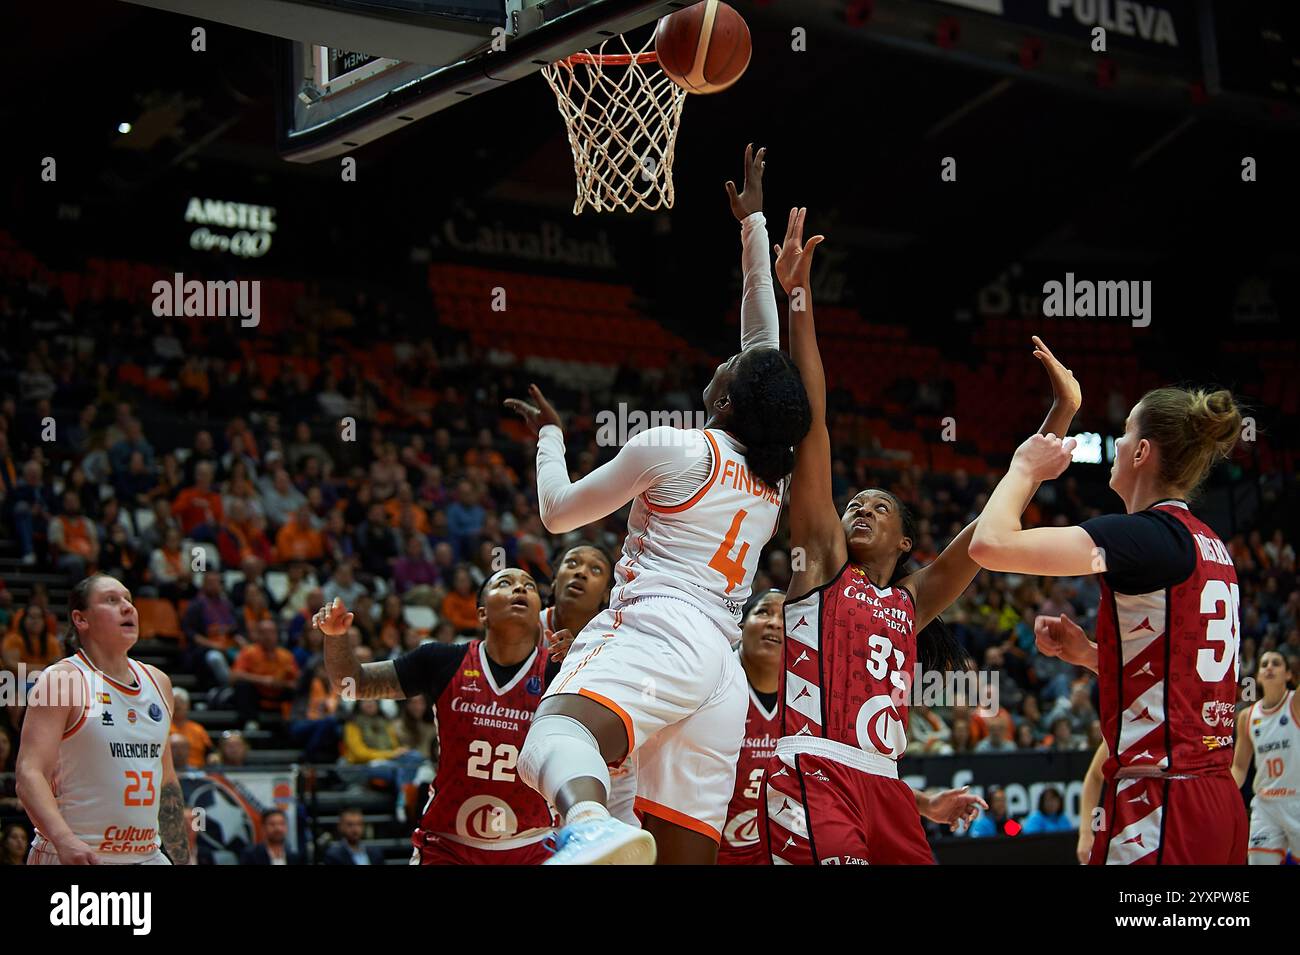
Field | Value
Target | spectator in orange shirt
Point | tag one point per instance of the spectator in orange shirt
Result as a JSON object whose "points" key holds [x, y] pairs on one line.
{"points": [[299, 539], [200, 503], [32, 645], [264, 675], [73, 540], [315, 726], [169, 567], [460, 606], [256, 609], [200, 743], [403, 507]]}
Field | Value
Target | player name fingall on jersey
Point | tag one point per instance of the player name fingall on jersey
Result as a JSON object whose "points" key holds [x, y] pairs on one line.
{"points": [[850, 650], [706, 548], [110, 763], [477, 798], [1173, 663]]}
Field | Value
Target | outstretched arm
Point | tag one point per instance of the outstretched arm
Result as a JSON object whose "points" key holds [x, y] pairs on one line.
{"points": [[938, 584], [649, 458], [349, 677], [759, 320], [814, 522]]}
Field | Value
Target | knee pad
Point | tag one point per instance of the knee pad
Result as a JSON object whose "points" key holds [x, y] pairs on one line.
{"points": [[559, 749]]}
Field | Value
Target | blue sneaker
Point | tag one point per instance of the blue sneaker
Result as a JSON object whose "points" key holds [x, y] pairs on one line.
{"points": [[602, 842]]}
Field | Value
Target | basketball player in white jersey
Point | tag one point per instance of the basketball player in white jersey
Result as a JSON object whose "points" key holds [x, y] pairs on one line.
{"points": [[95, 772], [655, 673], [1269, 731]]}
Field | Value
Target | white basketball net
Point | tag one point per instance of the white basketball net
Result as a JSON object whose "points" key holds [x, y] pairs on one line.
{"points": [[622, 113]]}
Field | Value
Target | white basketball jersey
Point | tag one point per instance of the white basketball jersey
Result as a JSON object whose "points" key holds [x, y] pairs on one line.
{"points": [[704, 550], [1276, 739], [110, 763]]}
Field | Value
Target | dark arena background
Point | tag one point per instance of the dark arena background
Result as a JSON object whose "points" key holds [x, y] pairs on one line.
{"points": [[419, 262]]}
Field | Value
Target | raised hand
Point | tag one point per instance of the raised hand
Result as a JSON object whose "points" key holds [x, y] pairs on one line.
{"points": [[333, 619], [794, 256], [750, 200], [536, 415], [1044, 457], [1065, 389]]}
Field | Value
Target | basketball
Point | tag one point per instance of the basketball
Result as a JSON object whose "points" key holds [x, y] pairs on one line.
{"points": [[704, 48]]}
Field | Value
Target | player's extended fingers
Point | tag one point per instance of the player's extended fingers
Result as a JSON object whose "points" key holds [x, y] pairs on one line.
{"points": [[812, 244], [521, 407], [731, 190], [789, 225], [749, 157]]}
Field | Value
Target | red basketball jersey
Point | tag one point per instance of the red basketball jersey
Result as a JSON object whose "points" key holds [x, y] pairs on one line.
{"points": [[849, 657], [741, 843], [1168, 664], [477, 797]]}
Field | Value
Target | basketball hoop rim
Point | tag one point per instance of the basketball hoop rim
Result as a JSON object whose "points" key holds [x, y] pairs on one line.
{"points": [[608, 59]]}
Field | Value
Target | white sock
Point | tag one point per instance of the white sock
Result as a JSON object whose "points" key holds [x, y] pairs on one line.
{"points": [[557, 751], [585, 811]]}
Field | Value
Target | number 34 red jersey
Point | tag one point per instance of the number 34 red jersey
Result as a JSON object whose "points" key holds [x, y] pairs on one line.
{"points": [[477, 797]]}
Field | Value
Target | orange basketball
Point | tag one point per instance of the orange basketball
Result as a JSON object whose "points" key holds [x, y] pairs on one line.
{"points": [[704, 48]]}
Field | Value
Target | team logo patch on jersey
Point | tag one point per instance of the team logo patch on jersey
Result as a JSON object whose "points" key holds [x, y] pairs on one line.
{"points": [[155, 712], [472, 673], [106, 719], [131, 717], [471, 686], [486, 817], [742, 831], [534, 685], [1218, 713], [880, 727]]}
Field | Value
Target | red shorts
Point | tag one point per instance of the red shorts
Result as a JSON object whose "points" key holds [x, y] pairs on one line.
{"points": [[753, 854], [436, 851], [819, 811], [1187, 821]]}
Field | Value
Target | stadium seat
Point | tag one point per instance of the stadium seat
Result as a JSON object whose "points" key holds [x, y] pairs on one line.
{"points": [[421, 619], [277, 583]]}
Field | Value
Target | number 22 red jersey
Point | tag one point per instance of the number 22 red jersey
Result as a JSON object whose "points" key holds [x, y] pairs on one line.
{"points": [[1167, 664], [477, 797], [850, 650]]}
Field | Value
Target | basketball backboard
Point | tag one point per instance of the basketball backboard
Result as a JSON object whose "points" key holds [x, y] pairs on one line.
{"points": [[351, 71]]}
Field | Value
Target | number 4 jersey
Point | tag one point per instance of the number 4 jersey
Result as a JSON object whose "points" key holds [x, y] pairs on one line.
{"points": [[704, 549], [1167, 656], [477, 798]]}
